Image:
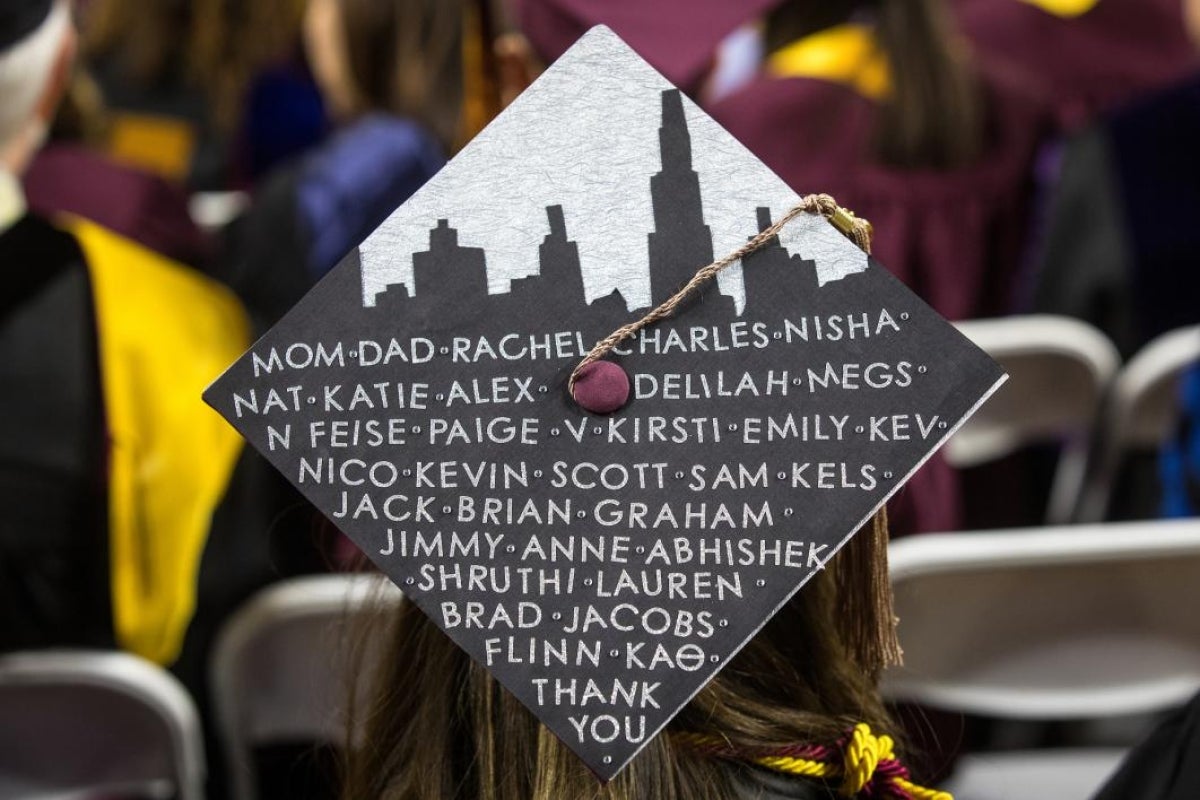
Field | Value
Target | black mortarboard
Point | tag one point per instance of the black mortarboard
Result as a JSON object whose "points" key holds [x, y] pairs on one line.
{"points": [[602, 567], [19, 18]]}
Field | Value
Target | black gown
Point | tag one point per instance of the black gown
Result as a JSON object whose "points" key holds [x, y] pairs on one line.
{"points": [[54, 576], [55, 585], [1166, 766]]}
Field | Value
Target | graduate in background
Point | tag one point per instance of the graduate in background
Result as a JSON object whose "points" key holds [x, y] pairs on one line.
{"points": [[205, 93], [1121, 252], [1082, 57], [880, 105], [103, 349], [73, 175], [133, 518], [1121, 247], [391, 72]]}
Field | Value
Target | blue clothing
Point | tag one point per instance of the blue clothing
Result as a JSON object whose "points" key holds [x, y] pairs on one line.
{"points": [[1179, 462], [357, 179], [308, 216], [284, 117]]}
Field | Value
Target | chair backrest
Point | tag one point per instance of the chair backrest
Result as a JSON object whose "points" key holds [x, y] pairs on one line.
{"points": [[1058, 371], [1140, 412], [1073, 622], [96, 724], [280, 666]]}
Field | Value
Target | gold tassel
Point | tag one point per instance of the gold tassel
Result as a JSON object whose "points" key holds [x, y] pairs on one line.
{"points": [[865, 597]]}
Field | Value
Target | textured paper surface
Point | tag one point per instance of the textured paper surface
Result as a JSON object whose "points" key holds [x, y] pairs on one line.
{"points": [[603, 568]]}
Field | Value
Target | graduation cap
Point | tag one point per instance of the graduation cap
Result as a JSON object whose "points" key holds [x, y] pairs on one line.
{"points": [[604, 564]]}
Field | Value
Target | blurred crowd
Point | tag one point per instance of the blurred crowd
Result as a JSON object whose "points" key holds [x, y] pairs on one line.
{"points": [[175, 174]]}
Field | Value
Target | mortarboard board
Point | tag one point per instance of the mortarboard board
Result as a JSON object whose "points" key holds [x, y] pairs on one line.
{"points": [[678, 37], [19, 18], [603, 567]]}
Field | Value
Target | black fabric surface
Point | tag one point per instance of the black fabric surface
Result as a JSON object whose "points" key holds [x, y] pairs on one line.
{"points": [[1086, 263], [1122, 243], [53, 551], [1166, 766], [19, 18], [265, 252], [1158, 168], [54, 566]]}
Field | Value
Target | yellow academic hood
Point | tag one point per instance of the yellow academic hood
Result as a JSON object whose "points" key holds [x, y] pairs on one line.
{"points": [[1064, 8]]}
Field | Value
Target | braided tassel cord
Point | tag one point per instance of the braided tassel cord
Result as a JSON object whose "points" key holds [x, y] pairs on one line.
{"points": [[857, 230], [866, 764]]}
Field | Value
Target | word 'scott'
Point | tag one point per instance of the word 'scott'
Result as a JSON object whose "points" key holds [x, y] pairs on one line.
{"points": [[603, 568]]}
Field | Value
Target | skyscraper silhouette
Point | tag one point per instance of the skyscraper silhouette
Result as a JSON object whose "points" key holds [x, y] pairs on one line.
{"points": [[680, 243], [559, 259], [559, 279], [771, 270], [450, 282], [449, 279]]}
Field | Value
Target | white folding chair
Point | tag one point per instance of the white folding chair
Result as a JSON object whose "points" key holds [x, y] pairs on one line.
{"points": [[1141, 411], [85, 724], [1058, 371], [1070, 623], [279, 669]]}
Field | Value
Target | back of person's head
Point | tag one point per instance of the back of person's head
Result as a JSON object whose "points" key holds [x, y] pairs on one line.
{"points": [[439, 727], [933, 116], [216, 45], [36, 47], [401, 57]]}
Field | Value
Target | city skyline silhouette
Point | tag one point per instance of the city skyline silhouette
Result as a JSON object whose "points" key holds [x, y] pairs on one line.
{"points": [[450, 281]]}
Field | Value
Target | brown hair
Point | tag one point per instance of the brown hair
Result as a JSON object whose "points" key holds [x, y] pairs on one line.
{"points": [[934, 116], [217, 45], [406, 58], [440, 728]]}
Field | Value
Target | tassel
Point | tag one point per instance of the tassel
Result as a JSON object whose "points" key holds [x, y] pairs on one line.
{"points": [[865, 597]]}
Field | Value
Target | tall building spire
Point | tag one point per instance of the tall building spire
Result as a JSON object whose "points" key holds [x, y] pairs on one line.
{"points": [[674, 141], [680, 243], [558, 224], [559, 280]]}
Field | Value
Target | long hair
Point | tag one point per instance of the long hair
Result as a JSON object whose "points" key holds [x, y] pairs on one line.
{"points": [[437, 726], [405, 58], [934, 115], [216, 45]]}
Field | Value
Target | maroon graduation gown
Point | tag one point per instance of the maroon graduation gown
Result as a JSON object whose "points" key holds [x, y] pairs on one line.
{"points": [[954, 237], [1086, 64], [70, 179], [678, 37]]}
